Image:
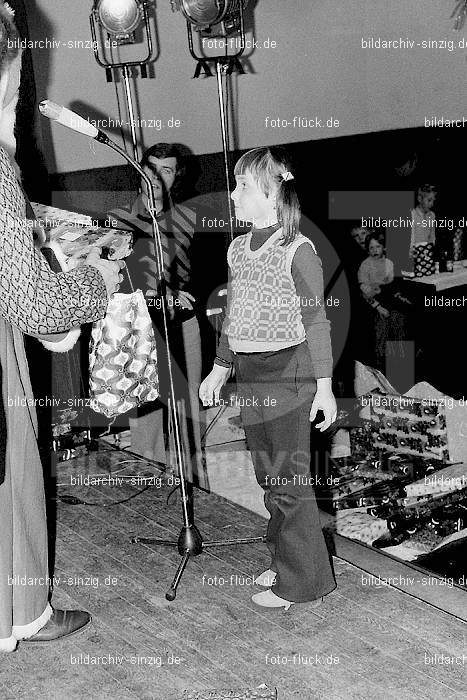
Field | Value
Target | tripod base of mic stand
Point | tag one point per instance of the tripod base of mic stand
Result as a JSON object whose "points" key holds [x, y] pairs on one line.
{"points": [[190, 544]]}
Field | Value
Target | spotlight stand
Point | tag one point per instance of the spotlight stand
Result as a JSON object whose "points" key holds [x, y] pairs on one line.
{"points": [[224, 65], [190, 541], [124, 66], [129, 101], [221, 67]]}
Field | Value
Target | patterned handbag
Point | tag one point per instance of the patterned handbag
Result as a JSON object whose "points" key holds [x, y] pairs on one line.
{"points": [[424, 261], [123, 357]]}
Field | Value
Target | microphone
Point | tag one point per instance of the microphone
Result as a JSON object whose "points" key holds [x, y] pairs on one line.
{"points": [[71, 120]]}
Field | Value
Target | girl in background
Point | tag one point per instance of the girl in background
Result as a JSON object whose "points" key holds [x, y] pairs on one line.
{"points": [[276, 335], [376, 279]]}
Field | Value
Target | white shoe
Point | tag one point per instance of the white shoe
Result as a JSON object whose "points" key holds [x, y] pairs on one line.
{"points": [[266, 579], [268, 599]]}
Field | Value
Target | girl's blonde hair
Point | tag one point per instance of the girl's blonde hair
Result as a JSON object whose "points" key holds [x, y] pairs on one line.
{"points": [[268, 166]]}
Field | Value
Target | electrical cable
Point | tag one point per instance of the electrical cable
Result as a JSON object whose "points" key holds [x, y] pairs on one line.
{"points": [[151, 462], [214, 420], [73, 501], [97, 476]]}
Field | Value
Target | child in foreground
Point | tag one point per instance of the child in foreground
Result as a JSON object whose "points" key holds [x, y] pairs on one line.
{"points": [[277, 337]]}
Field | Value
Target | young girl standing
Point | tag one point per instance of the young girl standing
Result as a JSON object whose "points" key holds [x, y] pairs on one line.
{"points": [[277, 337], [376, 279]]}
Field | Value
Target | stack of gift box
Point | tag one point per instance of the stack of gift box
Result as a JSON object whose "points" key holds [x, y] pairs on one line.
{"points": [[400, 481]]}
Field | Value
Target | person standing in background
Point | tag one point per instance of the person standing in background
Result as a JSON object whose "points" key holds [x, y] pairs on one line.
{"points": [[164, 163], [423, 218]]}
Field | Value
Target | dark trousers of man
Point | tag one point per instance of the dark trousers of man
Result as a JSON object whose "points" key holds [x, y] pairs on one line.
{"points": [[275, 391]]}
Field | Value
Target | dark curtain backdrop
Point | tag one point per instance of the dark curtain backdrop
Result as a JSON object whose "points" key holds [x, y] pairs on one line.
{"points": [[35, 176]]}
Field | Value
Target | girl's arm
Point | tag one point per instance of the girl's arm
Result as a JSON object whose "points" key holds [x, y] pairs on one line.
{"points": [[389, 278], [211, 386], [307, 274], [369, 289], [224, 355], [431, 236]]}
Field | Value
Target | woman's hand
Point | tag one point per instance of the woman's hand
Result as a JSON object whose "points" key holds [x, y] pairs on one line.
{"points": [[211, 386], [370, 290], [186, 300], [110, 270], [178, 300], [324, 400], [383, 312]]}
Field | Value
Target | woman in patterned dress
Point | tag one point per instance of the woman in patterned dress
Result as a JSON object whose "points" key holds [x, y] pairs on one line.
{"points": [[34, 301]]}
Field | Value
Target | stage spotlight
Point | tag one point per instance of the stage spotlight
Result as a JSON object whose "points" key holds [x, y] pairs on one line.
{"points": [[120, 18], [217, 18], [203, 14], [113, 24]]}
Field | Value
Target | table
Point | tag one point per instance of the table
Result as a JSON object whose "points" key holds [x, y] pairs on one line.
{"points": [[438, 322], [443, 280]]}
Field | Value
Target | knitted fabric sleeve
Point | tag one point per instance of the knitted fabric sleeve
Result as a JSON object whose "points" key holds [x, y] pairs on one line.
{"points": [[307, 274], [32, 297], [224, 355]]}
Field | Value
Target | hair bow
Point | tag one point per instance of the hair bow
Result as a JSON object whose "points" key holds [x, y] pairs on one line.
{"points": [[287, 176]]}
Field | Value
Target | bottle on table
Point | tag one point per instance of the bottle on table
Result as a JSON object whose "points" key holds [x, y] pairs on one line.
{"points": [[458, 244], [445, 254]]}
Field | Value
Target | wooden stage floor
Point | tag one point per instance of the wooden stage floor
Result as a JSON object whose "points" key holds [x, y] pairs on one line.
{"points": [[362, 642]]}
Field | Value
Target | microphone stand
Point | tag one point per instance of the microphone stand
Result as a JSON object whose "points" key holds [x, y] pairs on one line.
{"points": [[190, 542]]}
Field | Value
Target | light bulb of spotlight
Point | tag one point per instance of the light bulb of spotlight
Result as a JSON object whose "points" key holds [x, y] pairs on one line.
{"points": [[120, 17], [203, 12]]}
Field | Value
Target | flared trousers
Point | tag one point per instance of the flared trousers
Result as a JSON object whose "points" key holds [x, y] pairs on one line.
{"points": [[275, 391]]}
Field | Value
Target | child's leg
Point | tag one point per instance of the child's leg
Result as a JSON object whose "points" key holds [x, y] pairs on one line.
{"points": [[283, 388], [258, 444]]}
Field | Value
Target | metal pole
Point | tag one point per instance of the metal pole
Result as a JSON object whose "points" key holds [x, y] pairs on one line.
{"points": [[131, 112], [225, 145]]}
